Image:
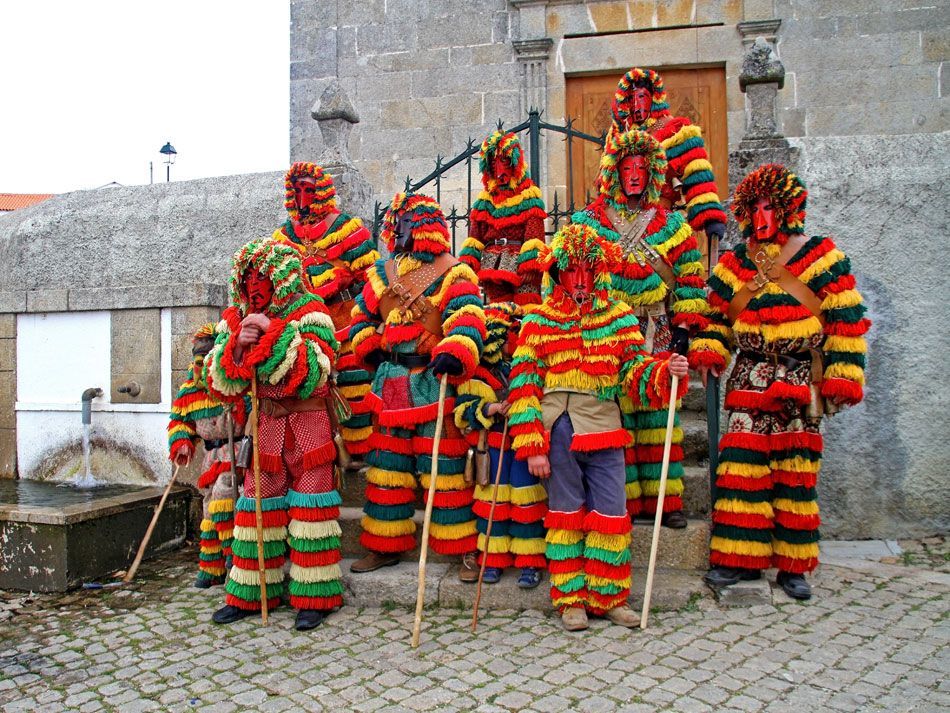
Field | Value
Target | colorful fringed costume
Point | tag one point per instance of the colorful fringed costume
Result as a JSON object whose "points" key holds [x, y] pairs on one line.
{"points": [[571, 364], [199, 418], [689, 179], [336, 249], [405, 343], [766, 512], [517, 535], [292, 360], [662, 278], [506, 225]]}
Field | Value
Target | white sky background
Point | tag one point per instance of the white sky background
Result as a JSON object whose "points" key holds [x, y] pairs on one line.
{"points": [[90, 91]]}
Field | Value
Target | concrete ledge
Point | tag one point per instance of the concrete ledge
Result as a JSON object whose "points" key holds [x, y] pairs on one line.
{"points": [[745, 594]]}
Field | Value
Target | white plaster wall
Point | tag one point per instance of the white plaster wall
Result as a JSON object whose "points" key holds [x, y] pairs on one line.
{"points": [[59, 355]]}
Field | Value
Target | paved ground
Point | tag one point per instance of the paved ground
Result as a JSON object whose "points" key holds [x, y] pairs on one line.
{"points": [[875, 637]]}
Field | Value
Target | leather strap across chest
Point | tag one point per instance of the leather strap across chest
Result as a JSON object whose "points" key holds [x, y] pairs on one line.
{"points": [[407, 291], [309, 243], [633, 242], [776, 272]]}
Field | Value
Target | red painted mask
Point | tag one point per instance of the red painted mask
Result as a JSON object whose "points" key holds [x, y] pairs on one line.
{"points": [[305, 191], [633, 175], [259, 290], [764, 221], [501, 169], [641, 102], [578, 281]]}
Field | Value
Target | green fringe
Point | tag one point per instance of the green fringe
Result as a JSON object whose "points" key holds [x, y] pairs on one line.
{"points": [[574, 584], [390, 513], [322, 545], [252, 592], [248, 550], [247, 504], [614, 558], [328, 499], [316, 589], [557, 551]]}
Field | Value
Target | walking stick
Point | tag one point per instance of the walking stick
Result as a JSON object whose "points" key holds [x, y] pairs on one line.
{"points": [[256, 451], [151, 526], [712, 393], [433, 474], [491, 515], [664, 471], [234, 476]]}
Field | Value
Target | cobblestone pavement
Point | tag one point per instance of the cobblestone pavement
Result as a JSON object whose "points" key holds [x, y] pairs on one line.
{"points": [[874, 638]]}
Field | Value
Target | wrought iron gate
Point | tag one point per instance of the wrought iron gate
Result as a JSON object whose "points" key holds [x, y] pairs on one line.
{"points": [[532, 127]]}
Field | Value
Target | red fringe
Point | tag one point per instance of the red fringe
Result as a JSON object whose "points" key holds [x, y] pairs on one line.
{"points": [[271, 518], [262, 351], [391, 444], [376, 543], [207, 479], [654, 454], [780, 391], [502, 510], [609, 571], [271, 463], [321, 455], [758, 442], [743, 482], [527, 514], [315, 559], [606, 524], [451, 498], [575, 564], [557, 520], [321, 603], [706, 357], [795, 566], [496, 559], [358, 448], [618, 438], [848, 329], [224, 526], [738, 399], [464, 356], [671, 503], [272, 603], [314, 514], [795, 479], [389, 496], [406, 417], [451, 447], [750, 521], [536, 561], [634, 507], [845, 389], [250, 564], [797, 439], [797, 522], [599, 603], [453, 547], [723, 559]]}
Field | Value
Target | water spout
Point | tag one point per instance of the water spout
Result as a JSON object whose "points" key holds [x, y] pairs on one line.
{"points": [[87, 480], [87, 396]]}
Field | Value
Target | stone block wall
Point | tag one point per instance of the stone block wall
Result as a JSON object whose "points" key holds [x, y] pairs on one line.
{"points": [[7, 396]]}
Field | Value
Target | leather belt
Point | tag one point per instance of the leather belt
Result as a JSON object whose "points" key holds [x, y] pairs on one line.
{"points": [[211, 444], [408, 360], [346, 295], [502, 242], [284, 407], [789, 361]]}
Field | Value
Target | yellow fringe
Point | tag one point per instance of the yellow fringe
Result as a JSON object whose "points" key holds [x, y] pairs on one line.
{"points": [[528, 495], [595, 581], [314, 530], [797, 465], [445, 482], [496, 545], [614, 543], [220, 505], [388, 528], [568, 601], [797, 507], [564, 537], [327, 573], [749, 470], [740, 547], [390, 478], [651, 488], [741, 507], [855, 345], [210, 550], [799, 552], [531, 546], [851, 372], [356, 434], [452, 532], [632, 490], [559, 578], [655, 436], [484, 493], [249, 534], [354, 391], [848, 298], [206, 525], [821, 265]]}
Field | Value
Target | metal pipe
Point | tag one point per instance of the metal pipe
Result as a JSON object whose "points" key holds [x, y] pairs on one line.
{"points": [[87, 396]]}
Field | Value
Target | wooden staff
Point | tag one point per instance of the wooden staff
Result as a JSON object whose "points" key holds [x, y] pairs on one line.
{"points": [[231, 452], [664, 471], [433, 474], [491, 516], [256, 461], [151, 526]]}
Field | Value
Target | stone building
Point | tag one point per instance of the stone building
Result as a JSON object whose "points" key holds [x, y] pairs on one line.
{"points": [[105, 286]]}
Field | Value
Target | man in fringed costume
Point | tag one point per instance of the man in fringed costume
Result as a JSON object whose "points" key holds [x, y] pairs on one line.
{"points": [[199, 418], [336, 248], [640, 103], [517, 534], [577, 353], [661, 276], [420, 316], [506, 225], [279, 331], [789, 306]]}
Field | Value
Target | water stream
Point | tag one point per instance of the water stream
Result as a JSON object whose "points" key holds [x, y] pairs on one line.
{"points": [[85, 478]]}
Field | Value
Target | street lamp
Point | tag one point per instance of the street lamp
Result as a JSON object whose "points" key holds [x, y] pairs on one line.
{"points": [[169, 152]]}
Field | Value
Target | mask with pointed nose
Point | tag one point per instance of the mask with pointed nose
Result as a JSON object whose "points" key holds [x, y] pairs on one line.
{"points": [[764, 221], [632, 171], [305, 192], [578, 281], [640, 105], [259, 290], [404, 242]]}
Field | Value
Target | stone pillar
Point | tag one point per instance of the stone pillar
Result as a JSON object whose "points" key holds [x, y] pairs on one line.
{"points": [[533, 57], [335, 115], [761, 77]]}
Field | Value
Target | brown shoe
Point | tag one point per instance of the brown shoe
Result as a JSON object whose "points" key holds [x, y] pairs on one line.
{"points": [[623, 616], [468, 569], [574, 619], [372, 561], [675, 520]]}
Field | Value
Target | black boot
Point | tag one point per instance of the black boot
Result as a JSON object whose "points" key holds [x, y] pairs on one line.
{"points": [[228, 614], [308, 619], [719, 577], [675, 520], [794, 585]]}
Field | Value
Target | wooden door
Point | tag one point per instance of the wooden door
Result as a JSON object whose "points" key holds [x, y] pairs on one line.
{"points": [[699, 94]]}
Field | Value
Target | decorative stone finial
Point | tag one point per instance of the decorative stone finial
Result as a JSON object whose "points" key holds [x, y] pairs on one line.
{"points": [[761, 66]]}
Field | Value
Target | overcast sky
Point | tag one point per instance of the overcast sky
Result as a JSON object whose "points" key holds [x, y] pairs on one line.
{"points": [[90, 91]]}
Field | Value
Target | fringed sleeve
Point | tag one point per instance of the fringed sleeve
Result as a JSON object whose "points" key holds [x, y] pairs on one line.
{"points": [[686, 153], [527, 389], [181, 421], [677, 245], [712, 345], [471, 253], [366, 320], [471, 397], [463, 320]]}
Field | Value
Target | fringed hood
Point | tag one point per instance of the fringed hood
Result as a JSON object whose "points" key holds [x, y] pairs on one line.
{"points": [[504, 145], [430, 233], [785, 192], [325, 199], [631, 143], [577, 243], [279, 262], [621, 106]]}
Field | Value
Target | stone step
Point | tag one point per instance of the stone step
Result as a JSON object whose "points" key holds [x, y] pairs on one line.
{"points": [[398, 586], [685, 549]]}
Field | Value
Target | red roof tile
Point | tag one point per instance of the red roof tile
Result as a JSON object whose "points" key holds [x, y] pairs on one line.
{"points": [[13, 201]]}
